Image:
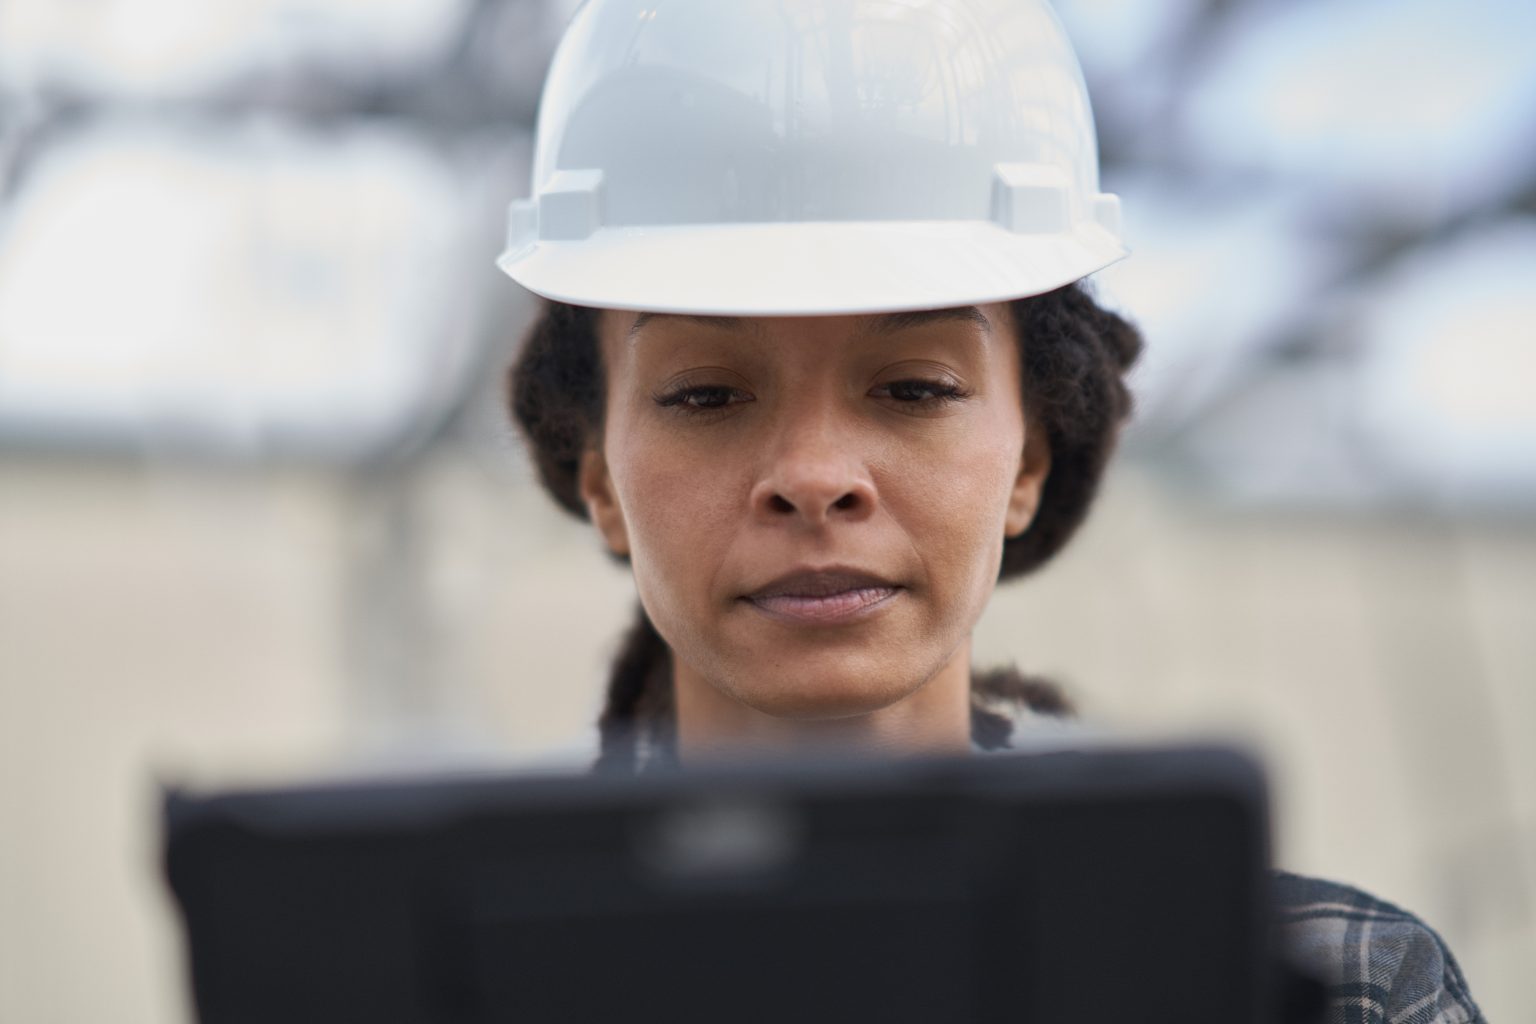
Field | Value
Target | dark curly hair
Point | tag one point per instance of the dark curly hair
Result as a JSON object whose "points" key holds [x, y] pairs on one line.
{"points": [[1074, 357]]}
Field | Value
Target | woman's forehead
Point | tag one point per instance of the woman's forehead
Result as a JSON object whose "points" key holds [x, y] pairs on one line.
{"points": [[631, 326]]}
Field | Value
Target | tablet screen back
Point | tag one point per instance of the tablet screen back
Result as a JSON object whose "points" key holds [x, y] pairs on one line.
{"points": [[1079, 887]]}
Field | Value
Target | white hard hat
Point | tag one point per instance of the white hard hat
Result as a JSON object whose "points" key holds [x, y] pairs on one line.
{"points": [[780, 157]]}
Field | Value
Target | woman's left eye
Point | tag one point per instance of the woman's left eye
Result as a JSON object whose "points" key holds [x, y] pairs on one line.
{"points": [[920, 392], [702, 398]]}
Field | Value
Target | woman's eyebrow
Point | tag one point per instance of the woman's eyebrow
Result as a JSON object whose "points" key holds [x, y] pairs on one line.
{"points": [[724, 323], [890, 323], [885, 323]]}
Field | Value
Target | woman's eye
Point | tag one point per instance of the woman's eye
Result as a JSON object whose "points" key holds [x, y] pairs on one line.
{"points": [[918, 392], [702, 398]]}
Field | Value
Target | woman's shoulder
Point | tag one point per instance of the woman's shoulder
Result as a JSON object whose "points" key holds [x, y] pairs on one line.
{"points": [[1379, 963]]}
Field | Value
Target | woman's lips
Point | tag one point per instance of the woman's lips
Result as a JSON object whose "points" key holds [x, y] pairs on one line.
{"points": [[840, 607], [821, 596]]}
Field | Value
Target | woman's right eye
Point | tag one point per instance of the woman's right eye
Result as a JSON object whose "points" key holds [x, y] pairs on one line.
{"points": [[702, 398]]}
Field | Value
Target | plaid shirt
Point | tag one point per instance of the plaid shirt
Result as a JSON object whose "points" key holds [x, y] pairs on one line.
{"points": [[1380, 964]]}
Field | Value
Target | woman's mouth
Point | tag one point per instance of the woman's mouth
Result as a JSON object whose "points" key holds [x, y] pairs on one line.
{"points": [[823, 597]]}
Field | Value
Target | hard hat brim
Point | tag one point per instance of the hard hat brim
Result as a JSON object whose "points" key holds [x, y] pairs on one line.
{"points": [[816, 269]]}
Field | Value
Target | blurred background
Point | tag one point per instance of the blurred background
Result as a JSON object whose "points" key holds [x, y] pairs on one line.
{"points": [[261, 513]]}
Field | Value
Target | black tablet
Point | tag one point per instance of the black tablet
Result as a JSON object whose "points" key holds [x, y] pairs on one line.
{"points": [[1057, 888]]}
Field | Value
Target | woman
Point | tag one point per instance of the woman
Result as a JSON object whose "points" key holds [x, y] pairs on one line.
{"points": [[803, 567], [817, 363]]}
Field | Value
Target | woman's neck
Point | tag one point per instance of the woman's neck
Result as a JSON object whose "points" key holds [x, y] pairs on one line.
{"points": [[933, 719]]}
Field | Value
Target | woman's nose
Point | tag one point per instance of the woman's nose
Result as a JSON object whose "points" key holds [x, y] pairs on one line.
{"points": [[814, 476]]}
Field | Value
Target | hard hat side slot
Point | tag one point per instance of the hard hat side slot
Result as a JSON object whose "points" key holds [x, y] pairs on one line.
{"points": [[571, 206], [1032, 199]]}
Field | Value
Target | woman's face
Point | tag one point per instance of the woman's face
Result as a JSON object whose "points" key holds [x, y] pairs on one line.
{"points": [[814, 507]]}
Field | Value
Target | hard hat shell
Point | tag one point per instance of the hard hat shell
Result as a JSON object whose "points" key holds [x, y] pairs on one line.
{"points": [[782, 157]]}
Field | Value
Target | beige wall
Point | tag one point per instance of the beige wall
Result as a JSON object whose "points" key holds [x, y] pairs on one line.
{"points": [[160, 623]]}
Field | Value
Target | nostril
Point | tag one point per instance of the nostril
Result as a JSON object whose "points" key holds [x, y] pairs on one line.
{"points": [[779, 504]]}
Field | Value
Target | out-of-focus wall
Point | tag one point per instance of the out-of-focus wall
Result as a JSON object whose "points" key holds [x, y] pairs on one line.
{"points": [[160, 624], [1383, 664]]}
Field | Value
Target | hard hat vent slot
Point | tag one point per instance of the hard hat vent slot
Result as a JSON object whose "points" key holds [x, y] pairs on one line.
{"points": [[571, 206], [522, 225], [1032, 199], [1106, 210]]}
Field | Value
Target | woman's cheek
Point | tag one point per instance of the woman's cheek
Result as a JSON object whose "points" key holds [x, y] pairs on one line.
{"points": [[674, 497], [982, 480]]}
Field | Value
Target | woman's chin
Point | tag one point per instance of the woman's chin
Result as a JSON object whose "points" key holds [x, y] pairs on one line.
{"points": [[819, 697]]}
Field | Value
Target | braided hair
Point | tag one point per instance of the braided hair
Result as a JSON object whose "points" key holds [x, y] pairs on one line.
{"points": [[1074, 358]]}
